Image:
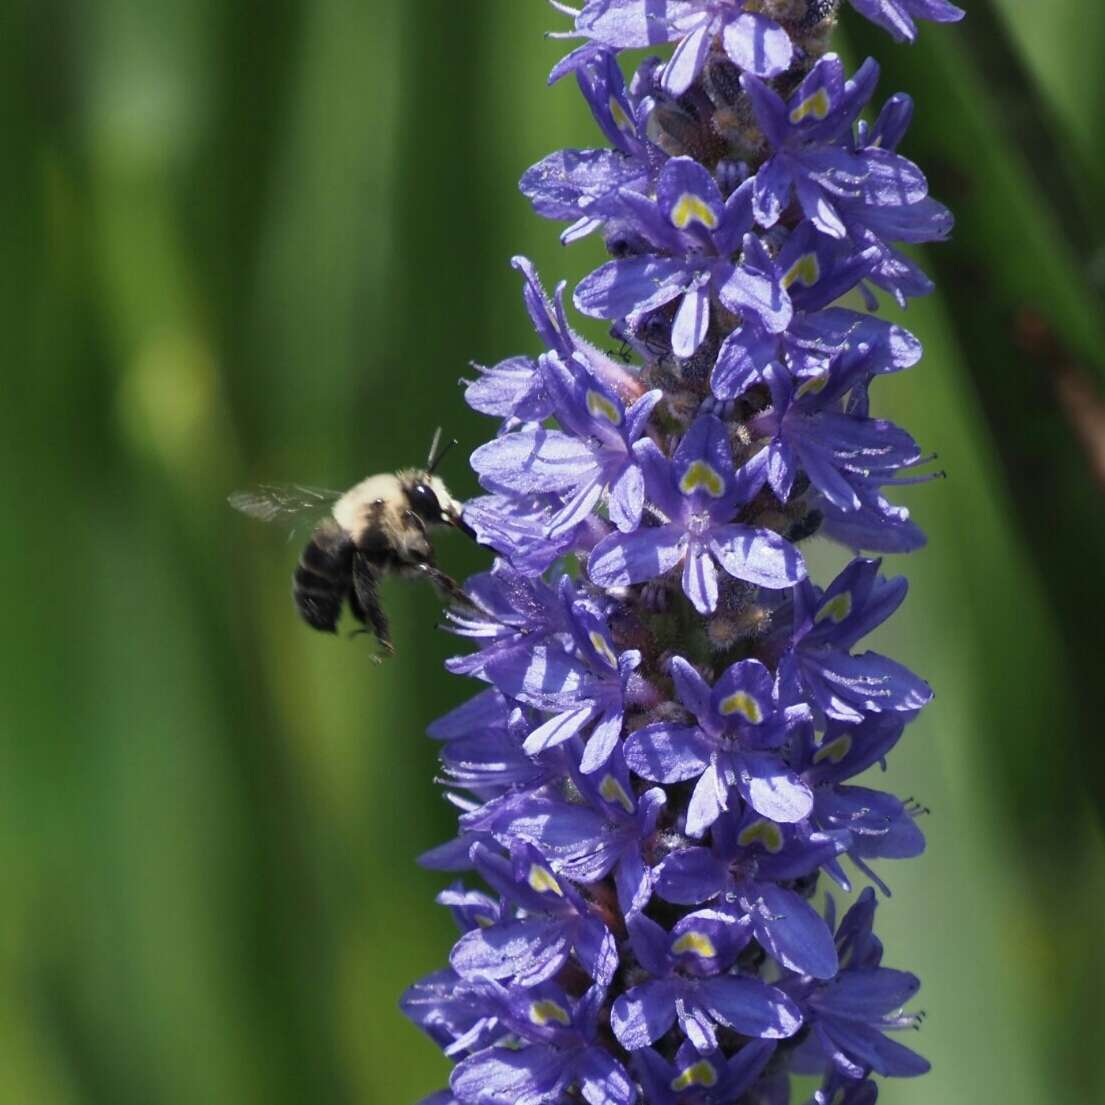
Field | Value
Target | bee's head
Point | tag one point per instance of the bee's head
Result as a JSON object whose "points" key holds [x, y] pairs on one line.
{"points": [[429, 498]]}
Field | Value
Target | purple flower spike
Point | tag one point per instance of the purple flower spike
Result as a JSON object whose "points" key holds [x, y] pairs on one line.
{"points": [[658, 778]]}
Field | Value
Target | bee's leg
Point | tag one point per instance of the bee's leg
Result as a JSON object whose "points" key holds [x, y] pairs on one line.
{"points": [[445, 585], [366, 604]]}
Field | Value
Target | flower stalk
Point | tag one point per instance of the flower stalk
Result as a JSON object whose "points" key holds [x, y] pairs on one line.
{"points": [[657, 782]]}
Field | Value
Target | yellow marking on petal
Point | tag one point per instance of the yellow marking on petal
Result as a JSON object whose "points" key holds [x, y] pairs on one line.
{"points": [[835, 750], [601, 407], [701, 474], [695, 943], [602, 646], [816, 104], [701, 1073], [837, 608], [544, 1012], [741, 702], [813, 385], [806, 269], [543, 881], [762, 832], [484, 921], [690, 208], [617, 113], [613, 791]]}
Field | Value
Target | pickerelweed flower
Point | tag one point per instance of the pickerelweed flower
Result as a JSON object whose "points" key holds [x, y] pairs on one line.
{"points": [[662, 760]]}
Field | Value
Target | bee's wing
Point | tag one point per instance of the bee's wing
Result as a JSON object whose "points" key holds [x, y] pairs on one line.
{"points": [[285, 504]]}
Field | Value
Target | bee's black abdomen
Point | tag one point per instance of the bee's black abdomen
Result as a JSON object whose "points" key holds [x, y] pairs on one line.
{"points": [[323, 578]]}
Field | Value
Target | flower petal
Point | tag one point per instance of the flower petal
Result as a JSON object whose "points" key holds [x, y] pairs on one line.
{"points": [[603, 1080], [535, 1075], [756, 44], [533, 950], [557, 730], [620, 288], [623, 558], [534, 462], [792, 932], [627, 498], [758, 556], [709, 800], [667, 753], [643, 1014], [692, 320], [772, 789], [700, 580], [686, 62], [751, 1007]]}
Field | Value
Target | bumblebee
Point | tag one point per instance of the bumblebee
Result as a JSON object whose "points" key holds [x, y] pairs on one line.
{"points": [[379, 527]]}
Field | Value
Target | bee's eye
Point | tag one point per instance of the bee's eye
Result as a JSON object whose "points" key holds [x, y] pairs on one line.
{"points": [[424, 503]]}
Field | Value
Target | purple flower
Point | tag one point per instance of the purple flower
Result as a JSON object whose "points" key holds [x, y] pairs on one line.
{"points": [[814, 340], [869, 823], [897, 16], [556, 925], [900, 217], [752, 41], [878, 526], [581, 187], [587, 842], [735, 746], [691, 983], [811, 431], [588, 688], [596, 457], [518, 529], [827, 625], [850, 1014], [694, 232], [808, 157], [482, 747], [455, 1014], [506, 608], [556, 1050], [742, 872], [712, 1079], [699, 495]]}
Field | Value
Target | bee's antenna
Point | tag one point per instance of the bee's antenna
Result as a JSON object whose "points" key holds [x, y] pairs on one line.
{"points": [[430, 461], [435, 457]]}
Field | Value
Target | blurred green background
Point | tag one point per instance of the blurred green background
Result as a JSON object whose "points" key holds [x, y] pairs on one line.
{"points": [[261, 241]]}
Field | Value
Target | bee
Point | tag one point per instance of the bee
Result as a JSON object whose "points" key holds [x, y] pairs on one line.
{"points": [[379, 527]]}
